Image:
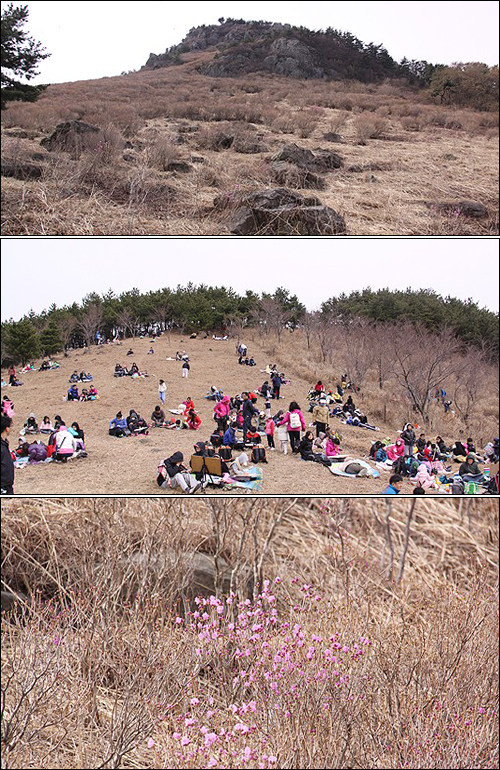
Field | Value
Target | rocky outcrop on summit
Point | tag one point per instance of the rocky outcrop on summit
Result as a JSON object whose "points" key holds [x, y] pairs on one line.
{"points": [[242, 47]]}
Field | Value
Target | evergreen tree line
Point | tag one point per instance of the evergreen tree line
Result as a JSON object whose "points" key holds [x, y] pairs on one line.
{"points": [[202, 308]]}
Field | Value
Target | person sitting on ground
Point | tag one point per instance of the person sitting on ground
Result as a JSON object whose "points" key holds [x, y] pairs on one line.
{"points": [[265, 389], [253, 436], [78, 434], [421, 443], [44, 366], [158, 417], [46, 425], [8, 407], [85, 377], [179, 475], [239, 466], [134, 369], [193, 421], [349, 405], [470, 445], [459, 452], [381, 455], [65, 445], [84, 395], [251, 361], [443, 449], [130, 352], [73, 394], [74, 377], [151, 351], [229, 437], [93, 393], [135, 423], [120, 371], [118, 426], [395, 485], [469, 470], [188, 405], [424, 477], [319, 387], [332, 446], [491, 451], [31, 425], [396, 450]]}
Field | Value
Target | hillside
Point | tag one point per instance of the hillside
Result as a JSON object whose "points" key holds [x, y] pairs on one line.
{"points": [[173, 151], [107, 469]]}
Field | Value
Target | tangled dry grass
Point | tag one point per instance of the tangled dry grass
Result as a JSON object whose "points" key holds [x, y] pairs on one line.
{"points": [[401, 154], [366, 637]]}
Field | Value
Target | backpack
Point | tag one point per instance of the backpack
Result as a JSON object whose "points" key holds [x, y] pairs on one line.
{"points": [[216, 439], [295, 423], [259, 454], [225, 453]]}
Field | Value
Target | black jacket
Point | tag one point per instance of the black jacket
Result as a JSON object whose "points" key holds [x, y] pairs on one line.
{"points": [[171, 464], [249, 410], [7, 467]]}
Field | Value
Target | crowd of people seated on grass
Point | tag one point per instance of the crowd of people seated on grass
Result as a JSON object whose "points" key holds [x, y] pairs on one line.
{"points": [[133, 371], [81, 377], [86, 394], [62, 444]]}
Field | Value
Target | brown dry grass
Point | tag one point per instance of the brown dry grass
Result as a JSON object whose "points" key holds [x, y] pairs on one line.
{"points": [[424, 153], [128, 466], [106, 672]]}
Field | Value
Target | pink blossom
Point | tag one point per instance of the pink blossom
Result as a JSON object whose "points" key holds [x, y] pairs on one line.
{"points": [[151, 743]]}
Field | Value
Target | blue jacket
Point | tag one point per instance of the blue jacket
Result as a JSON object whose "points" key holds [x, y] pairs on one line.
{"points": [[381, 455], [390, 490], [229, 437]]}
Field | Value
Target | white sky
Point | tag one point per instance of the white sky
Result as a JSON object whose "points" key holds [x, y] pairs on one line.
{"points": [[99, 39], [37, 272]]}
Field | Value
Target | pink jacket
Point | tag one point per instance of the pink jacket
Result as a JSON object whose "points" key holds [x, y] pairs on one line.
{"points": [[331, 449], [424, 477], [222, 408], [396, 450], [286, 420], [270, 427]]}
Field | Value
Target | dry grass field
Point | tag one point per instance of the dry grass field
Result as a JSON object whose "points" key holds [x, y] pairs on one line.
{"points": [[336, 634], [401, 156], [128, 465]]}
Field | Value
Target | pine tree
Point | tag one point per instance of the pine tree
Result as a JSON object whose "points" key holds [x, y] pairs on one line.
{"points": [[50, 339], [22, 341], [20, 55]]}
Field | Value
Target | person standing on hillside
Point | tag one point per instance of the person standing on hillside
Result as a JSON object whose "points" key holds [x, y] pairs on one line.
{"points": [[185, 368], [7, 463], [249, 411], [408, 436], [295, 422], [320, 416], [162, 389], [277, 383]]}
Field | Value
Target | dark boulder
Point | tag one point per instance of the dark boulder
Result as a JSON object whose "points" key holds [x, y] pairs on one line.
{"points": [[469, 209], [320, 160], [66, 135], [289, 175], [278, 211], [21, 170]]}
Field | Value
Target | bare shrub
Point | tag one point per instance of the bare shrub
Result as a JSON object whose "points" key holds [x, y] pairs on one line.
{"points": [[159, 152], [369, 127]]}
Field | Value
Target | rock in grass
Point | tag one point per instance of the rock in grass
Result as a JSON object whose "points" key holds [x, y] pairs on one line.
{"points": [[279, 211]]}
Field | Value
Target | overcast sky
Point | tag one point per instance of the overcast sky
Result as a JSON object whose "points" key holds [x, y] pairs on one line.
{"points": [[37, 272], [99, 39]]}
